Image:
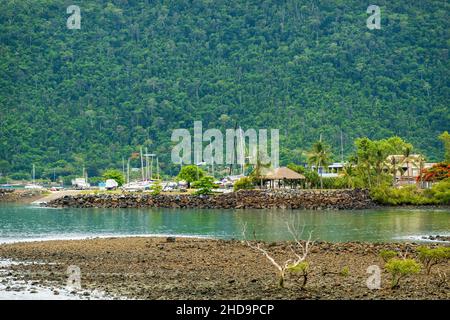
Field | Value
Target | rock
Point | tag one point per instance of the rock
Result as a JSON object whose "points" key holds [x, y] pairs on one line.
{"points": [[257, 199], [170, 239]]}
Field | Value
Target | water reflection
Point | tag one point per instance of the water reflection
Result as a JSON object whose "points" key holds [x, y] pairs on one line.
{"points": [[18, 222]]}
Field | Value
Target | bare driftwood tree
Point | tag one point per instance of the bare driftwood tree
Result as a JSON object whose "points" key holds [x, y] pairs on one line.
{"points": [[297, 263]]}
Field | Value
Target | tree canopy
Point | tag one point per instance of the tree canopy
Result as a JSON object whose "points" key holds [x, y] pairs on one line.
{"points": [[136, 70]]}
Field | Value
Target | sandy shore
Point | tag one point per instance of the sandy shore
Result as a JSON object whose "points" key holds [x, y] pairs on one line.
{"points": [[154, 268]]}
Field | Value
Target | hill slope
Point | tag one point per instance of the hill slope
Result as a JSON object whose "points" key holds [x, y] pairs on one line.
{"points": [[138, 69]]}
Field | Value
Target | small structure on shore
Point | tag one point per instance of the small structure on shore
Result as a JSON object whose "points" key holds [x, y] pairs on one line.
{"points": [[281, 177], [407, 169]]}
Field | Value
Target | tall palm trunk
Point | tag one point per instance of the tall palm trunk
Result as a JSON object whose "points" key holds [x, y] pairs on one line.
{"points": [[320, 175], [395, 172]]}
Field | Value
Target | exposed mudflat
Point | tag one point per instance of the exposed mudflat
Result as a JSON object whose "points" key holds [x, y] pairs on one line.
{"points": [[154, 268]]}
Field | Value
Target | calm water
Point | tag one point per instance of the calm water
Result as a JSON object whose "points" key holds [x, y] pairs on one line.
{"points": [[26, 222]]}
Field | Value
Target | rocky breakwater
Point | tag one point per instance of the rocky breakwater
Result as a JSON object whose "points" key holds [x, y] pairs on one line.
{"points": [[255, 199]]}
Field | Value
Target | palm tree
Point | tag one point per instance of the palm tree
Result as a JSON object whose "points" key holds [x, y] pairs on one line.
{"points": [[348, 173], [393, 167], [407, 158], [421, 159], [319, 156], [257, 174]]}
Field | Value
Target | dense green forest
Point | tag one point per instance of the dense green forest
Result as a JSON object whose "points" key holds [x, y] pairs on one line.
{"points": [[136, 70]]}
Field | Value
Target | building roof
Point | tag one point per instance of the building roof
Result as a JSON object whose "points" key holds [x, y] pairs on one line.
{"points": [[336, 165], [282, 173]]}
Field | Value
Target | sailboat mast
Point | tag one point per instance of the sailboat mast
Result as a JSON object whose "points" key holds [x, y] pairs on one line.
{"points": [[157, 168], [142, 165], [151, 169], [123, 167], [146, 164], [128, 171]]}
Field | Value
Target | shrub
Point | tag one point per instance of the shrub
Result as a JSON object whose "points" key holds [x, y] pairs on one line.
{"points": [[401, 268], [345, 271], [431, 257], [156, 188], [301, 269], [400, 196], [190, 174], [243, 183], [20, 176], [114, 174], [387, 255], [441, 191], [204, 185]]}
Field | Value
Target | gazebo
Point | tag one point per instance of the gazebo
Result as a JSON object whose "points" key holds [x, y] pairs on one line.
{"points": [[282, 174]]}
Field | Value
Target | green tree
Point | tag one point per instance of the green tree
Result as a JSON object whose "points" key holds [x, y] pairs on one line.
{"points": [[433, 256], [156, 188], [114, 174], [372, 158], [445, 138], [319, 156], [401, 268], [257, 173], [243, 183], [190, 174], [204, 185], [4, 167], [312, 178], [100, 114]]}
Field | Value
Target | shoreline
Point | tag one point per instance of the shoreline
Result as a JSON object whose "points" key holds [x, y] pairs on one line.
{"points": [[110, 236], [75, 199], [411, 239], [192, 268]]}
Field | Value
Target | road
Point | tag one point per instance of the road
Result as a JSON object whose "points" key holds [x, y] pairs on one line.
{"points": [[55, 195]]}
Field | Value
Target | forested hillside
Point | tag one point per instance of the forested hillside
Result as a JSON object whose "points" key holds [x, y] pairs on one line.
{"points": [[136, 70]]}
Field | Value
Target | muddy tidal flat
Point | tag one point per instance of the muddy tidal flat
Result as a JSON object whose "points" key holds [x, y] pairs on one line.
{"points": [[190, 268]]}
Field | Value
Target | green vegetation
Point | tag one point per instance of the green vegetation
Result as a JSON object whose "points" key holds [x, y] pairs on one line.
{"points": [[311, 177], [204, 185], [387, 255], [138, 69], [445, 138], [401, 268], [371, 159], [319, 156], [156, 188], [431, 257], [440, 192], [412, 195], [243, 183], [191, 174], [114, 174], [408, 195], [301, 269], [345, 272]]}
